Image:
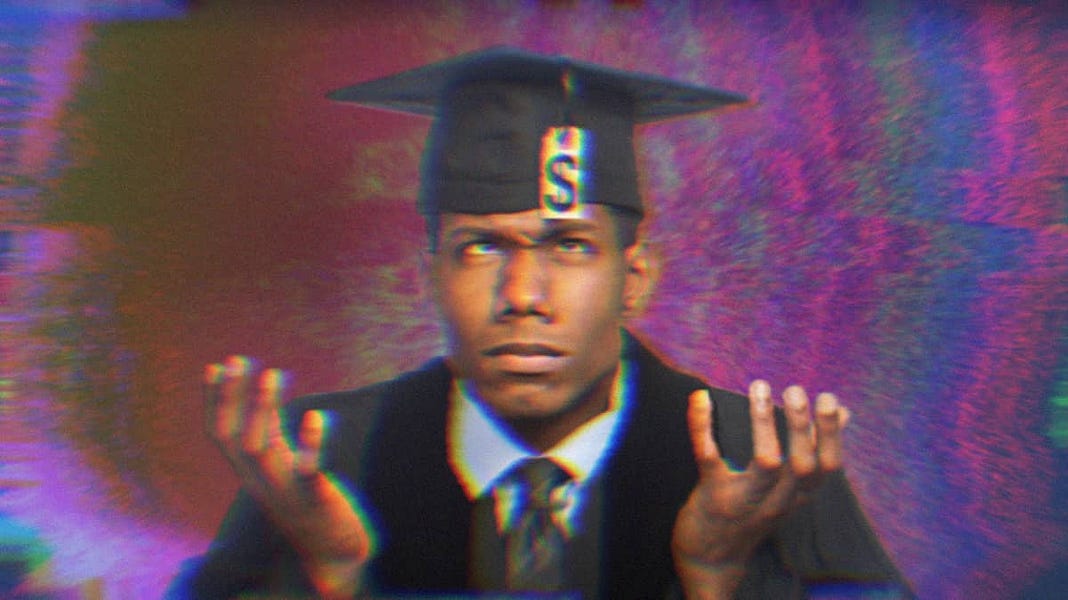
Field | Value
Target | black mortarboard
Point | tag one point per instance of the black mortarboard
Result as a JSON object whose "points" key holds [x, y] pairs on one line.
{"points": [[515, 130]]}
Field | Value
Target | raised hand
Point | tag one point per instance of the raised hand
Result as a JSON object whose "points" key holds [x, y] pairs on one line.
{"points": [[317, 513], [730, 512]]}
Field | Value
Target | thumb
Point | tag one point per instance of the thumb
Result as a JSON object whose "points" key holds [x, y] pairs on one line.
{"points": [[699, 421]]}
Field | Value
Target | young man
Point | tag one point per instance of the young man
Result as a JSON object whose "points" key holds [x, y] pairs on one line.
{"points": [[548, 451]]}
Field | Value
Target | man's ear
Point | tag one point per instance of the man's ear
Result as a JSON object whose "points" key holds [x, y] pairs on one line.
{"points": [[643, 272]]}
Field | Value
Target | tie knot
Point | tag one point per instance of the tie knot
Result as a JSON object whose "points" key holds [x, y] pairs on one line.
{"points": [[538, 478]]}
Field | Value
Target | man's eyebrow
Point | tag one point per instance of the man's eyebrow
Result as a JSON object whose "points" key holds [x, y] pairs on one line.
{"points": [[551, 230]]}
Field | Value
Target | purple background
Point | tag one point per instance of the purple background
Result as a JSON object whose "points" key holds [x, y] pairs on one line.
{"points": [[889, 221]]}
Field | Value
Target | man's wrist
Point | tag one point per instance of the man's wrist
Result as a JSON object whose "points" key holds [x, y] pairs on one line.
{"points": [[335, 579], [709, 582]]}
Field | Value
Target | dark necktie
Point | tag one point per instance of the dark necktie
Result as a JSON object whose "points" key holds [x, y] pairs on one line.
{"points": [[534, 546]]}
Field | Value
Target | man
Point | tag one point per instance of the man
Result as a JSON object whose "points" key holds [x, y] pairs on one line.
{"points": [[549, 451]]}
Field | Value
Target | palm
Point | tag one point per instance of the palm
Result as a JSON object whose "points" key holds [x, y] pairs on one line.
{"points": [[730, 512], [318, 513]]}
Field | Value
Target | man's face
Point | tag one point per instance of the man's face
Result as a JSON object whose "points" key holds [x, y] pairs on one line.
{"points": [[533, 308]]}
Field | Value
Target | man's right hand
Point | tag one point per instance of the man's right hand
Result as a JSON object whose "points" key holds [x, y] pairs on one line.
{"points": [[319, 515]]}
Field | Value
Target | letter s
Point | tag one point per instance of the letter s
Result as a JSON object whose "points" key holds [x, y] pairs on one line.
{"points": [[562, 172]]}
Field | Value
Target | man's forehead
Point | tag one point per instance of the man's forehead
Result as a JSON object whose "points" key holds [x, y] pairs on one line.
{"points": [[531, 222]]}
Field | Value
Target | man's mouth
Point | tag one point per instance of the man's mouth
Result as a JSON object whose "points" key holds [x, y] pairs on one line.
{"points": [[523, 349], [526, 358]]}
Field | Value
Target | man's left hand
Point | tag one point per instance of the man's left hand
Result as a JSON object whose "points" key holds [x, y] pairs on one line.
{"points": [[730, 512]]}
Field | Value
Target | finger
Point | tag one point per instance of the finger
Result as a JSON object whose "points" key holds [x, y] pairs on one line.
{"points": [[312, 432], [830, 418], [786, 494], [263, 417], [213, 374], [767, 453], [802, 437], [699, 421], [233, 391]]}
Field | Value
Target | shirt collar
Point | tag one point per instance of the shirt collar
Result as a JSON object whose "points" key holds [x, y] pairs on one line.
{"points": [[481, 450]]}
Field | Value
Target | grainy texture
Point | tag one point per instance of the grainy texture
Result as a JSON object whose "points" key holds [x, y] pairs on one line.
{"points": [[890, 221]]}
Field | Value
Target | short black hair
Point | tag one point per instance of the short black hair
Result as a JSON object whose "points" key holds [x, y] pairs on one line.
{"points": [[627, 223]]}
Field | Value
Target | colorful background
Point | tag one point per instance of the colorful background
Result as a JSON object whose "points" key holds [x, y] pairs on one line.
{"points": [[890, 221]]}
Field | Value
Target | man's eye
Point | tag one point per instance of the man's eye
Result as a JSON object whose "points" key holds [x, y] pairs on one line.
{"points": [[480, 248], [574, 246]]}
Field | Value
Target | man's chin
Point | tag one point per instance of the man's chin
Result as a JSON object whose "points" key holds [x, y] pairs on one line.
{"points": [[530, 399]]}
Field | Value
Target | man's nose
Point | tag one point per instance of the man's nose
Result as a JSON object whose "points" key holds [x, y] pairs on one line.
{"points": [[524, 286]]}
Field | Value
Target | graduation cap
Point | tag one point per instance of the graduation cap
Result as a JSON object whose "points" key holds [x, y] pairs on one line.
{"points": [[515, 131]]}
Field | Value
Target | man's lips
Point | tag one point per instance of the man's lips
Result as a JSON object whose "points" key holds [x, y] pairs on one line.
{"points": [[526, 358], [523, 349]]}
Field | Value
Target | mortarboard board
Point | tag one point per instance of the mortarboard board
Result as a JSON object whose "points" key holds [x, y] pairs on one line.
{"points": [[515, 131]]}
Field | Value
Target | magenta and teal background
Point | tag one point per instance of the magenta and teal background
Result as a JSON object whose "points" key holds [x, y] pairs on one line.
{"points": [[889, 221]]}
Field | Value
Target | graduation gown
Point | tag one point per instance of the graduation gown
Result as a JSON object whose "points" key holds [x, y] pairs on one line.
{"points": [[388, 440]]}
